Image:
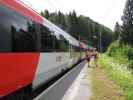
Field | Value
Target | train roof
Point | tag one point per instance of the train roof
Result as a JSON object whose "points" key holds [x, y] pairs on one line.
{"points": [[29, 12]]}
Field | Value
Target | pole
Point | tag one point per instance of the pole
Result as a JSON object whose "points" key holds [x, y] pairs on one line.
{"points": [[100, 43], [79, 46]]}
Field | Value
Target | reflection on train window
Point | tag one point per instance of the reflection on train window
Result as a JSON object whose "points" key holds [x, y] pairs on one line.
{"points": [[62, 45], [50, 43], [24, 35], [47, 40], [24, 39], [5, 41], [18, 32]]}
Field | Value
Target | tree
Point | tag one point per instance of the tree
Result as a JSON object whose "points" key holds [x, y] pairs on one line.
{"points": [[42, 14], [73, 24], [61, 20], [127, 27], [45, 14], [117, 31]]}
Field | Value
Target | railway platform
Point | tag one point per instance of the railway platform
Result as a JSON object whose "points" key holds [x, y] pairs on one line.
{"points": [[81, 87], [74, 85]]}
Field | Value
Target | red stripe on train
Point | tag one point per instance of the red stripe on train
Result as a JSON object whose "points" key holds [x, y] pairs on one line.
{"points": [[16, 71], [21, 8]]}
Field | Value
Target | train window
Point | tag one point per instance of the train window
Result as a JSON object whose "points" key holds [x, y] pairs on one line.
{"points": [[24, 34], [5, 36], [75, 51], [50, 42], [47, 39], [62, 45], [18, 33]]}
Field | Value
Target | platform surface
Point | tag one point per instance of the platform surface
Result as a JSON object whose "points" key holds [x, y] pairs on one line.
{"points": [[81, 87], [57, 90]]}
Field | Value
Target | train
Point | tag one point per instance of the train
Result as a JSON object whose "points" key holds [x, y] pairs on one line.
{"points": [[32, 49]]}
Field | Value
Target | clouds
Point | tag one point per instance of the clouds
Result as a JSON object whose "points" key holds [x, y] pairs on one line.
{"points": [[106, 12]]}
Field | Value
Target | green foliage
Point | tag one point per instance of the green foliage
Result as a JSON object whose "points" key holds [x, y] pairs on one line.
{"points": [[127, 27], [119, 73], [130, 53], [130, 65], [81, 26], [117, 32], [112, 49], [122, 53]]}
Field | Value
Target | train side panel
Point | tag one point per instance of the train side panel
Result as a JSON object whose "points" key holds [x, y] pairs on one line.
{"points": [[50, 64], [17, 70]]}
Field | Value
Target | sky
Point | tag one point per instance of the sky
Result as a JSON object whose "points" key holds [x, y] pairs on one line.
{"points": [[106, 12]]}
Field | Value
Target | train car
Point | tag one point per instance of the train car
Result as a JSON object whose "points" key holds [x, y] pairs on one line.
{"points": [[32, 49]]}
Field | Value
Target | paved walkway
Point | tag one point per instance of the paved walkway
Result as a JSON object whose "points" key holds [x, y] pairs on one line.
{"points": [[80, 89]]}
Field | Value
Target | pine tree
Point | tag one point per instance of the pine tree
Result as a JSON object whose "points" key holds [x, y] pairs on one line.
{"points": [[61, 20], [73, 24], [45, 14], [117, 31], [127, 28]]}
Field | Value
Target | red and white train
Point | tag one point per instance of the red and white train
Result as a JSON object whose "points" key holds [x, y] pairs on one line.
{"points": [[32, 49]]}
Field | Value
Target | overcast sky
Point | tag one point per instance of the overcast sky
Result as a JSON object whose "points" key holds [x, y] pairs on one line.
{"points": [[106, 12]]}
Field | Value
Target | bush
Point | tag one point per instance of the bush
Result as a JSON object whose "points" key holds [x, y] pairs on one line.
{"points": [[112, 48], [122, 53], [130, 65], [130, 53]]}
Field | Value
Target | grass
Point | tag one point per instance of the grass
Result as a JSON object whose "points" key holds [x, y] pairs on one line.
{"points": [[103, 88], [119, 73]]}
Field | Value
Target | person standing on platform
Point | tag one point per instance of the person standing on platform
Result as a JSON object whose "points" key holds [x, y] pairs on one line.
{"points": [[88, 57], [96, 57]]}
